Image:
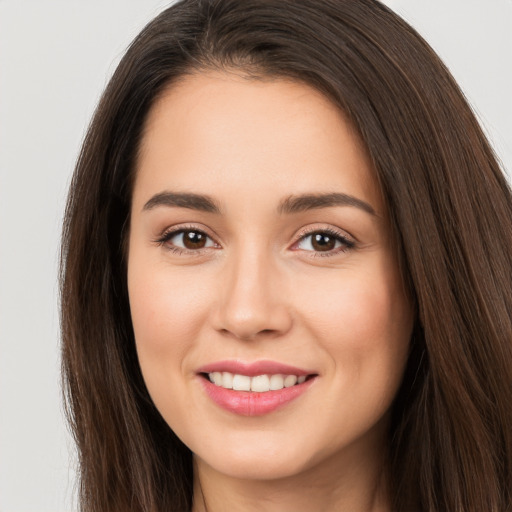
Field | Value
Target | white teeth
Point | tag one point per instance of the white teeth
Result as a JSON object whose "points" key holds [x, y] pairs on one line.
{"points": [[241, 383], [276, 382], [227, 380], [290, 380], [259, 383]]}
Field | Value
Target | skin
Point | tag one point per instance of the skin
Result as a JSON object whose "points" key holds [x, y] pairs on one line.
{"points": [[260, 290]]}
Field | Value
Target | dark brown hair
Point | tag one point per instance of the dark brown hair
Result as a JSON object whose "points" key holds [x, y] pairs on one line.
{"points": [[450, 207]]}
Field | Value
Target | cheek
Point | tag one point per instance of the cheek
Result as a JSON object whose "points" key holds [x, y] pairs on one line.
{"points": [[364, 323], [364, 327], [166, 313]]}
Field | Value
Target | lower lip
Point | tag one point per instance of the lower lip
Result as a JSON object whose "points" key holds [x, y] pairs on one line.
{"points": [[251, 403]]}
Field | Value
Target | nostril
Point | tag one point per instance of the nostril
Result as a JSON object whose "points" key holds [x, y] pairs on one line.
{"points": [[245, 336]]}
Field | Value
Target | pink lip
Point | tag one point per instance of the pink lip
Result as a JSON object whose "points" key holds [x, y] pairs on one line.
{"points": [[251, 403], [254, 369]]}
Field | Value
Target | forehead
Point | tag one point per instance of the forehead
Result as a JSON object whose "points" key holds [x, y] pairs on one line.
{"points": [[216, 128]]}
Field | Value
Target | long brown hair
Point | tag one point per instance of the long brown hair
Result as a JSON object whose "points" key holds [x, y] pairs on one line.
{"points": [[451, 210]]}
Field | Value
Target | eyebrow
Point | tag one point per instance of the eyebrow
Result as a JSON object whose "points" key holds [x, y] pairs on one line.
{"points": [[292, 204], [183, 200], [301, 203]]}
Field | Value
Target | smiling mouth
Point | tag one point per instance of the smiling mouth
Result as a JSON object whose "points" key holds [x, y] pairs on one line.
{"points": [[258, 383]]}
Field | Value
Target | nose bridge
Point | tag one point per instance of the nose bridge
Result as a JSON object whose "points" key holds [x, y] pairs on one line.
{"points": [[253, 302]]}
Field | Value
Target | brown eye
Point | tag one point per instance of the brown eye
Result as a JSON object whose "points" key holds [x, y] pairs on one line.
{"points": [[194, 239], [323, 242], [187, 239]]}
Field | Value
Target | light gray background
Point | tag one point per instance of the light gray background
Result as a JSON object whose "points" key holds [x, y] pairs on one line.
{"points": [[55, 59]]}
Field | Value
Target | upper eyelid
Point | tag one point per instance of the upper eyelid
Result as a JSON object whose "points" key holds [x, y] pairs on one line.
{"points": [[333, 230], [174, 230], [345, 240]]}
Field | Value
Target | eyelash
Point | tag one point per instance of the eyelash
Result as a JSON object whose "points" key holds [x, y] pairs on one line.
{"points": [[347, 243], [171, 233]]}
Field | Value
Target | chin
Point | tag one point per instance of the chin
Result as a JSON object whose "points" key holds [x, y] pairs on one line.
{"points": [[258, 461], [262, 468]]}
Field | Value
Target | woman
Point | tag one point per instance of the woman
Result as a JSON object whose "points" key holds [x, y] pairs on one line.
{"points": [[286, 272]]}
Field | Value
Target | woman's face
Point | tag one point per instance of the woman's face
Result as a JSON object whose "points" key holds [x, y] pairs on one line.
{"points": [[260, 257]]}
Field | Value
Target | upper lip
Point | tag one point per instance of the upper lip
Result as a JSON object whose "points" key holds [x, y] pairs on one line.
{"points": [[253, 369]]}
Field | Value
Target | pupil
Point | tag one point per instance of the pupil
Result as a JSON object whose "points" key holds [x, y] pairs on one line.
{"points": [[193, 240], [322, 242]]}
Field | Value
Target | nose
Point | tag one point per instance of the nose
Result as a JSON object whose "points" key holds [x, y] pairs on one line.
{"points": [[252, 302]]}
